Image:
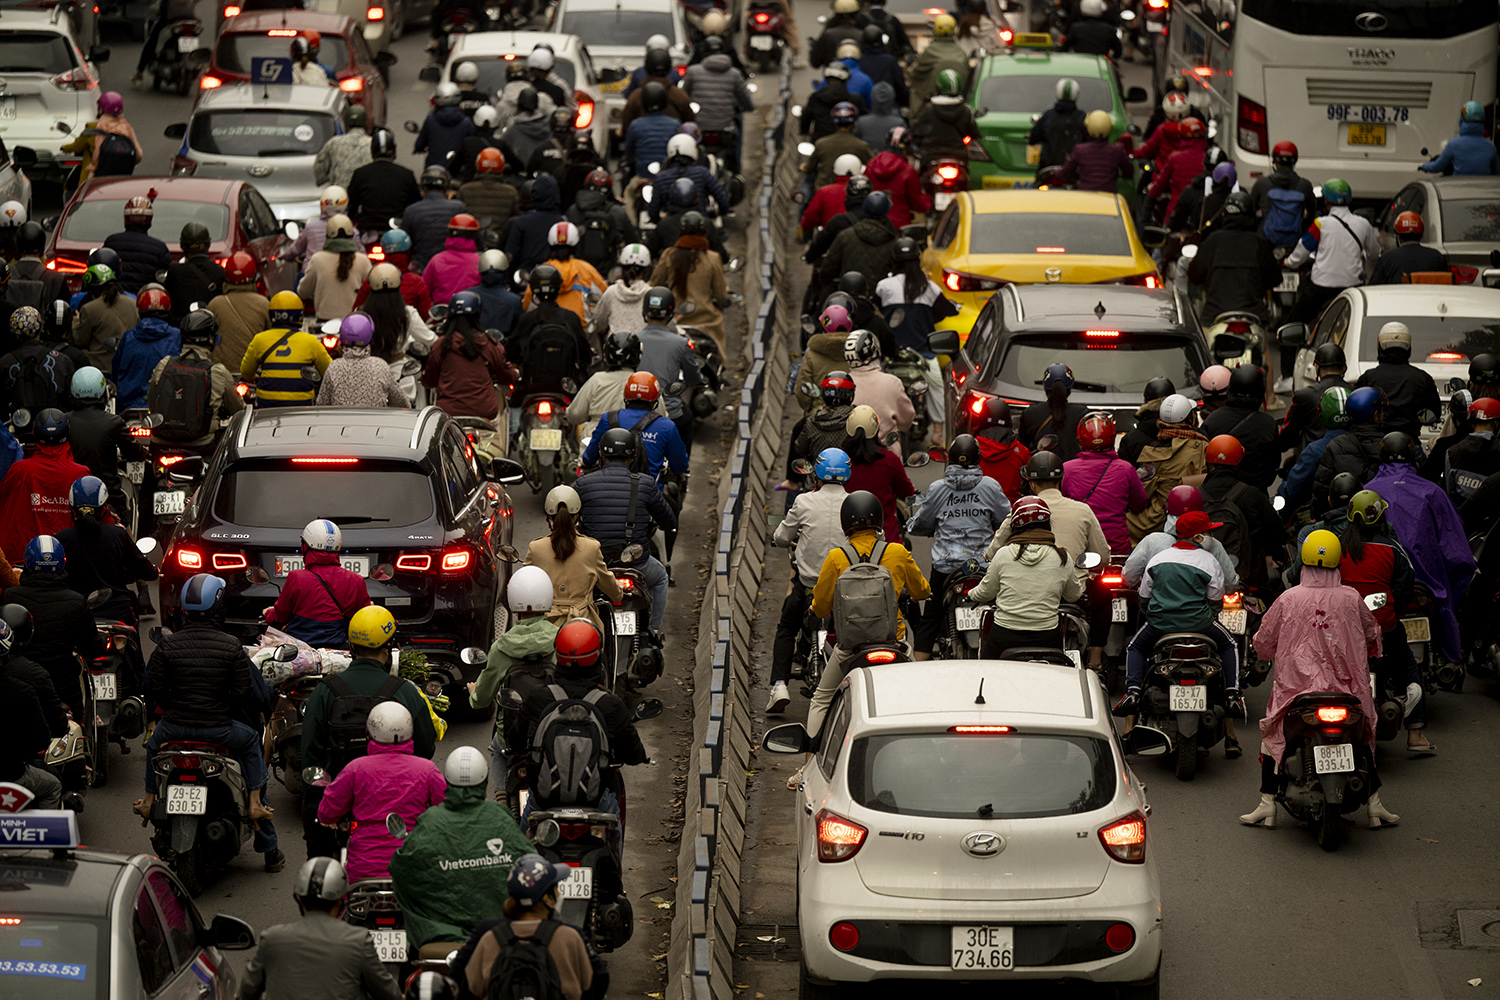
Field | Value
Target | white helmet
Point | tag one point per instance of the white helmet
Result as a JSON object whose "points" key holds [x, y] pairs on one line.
{"points": [[715, 23], [530, 590], [322, 536], [1175, 106], [333, 199], [541, 58], [562, 496], [847, 165], [1394, 334], [658, 42], [634, 255], [466, 767], [486, 117], [1175, 409], [446, 94], [562, 234], [321, 878], [1092, 8], [389, 722], [467, 72], [493, 260], [682, 145], [12, 213]]}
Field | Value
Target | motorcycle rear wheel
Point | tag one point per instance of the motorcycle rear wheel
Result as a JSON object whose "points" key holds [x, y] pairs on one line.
{"points": [[1330, 828], [1187, 758], [99, 757], [191, 870]]}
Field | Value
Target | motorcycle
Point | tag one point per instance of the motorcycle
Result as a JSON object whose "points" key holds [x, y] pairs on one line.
{"points": [[965, 624], [180, 58], [1416, 619], [764, 25], [1184, 696], [942, 178], [457, 20], [1240, 616], [177, 468], [1245, 326], [1284, 295], [636, 659], [284, 734], [1323, 775], [372, 904], [114, 716], [407, 371], [550, 455], [911, 368], [1124, 604]]}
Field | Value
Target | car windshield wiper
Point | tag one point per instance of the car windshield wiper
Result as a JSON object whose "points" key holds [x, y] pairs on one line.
{"points": [[986, 811], [279, 152], [357, 519], [1085, 386]]}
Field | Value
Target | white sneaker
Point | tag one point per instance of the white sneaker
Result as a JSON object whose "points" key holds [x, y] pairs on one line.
{"points": [[1283, 384], [780, 698]]}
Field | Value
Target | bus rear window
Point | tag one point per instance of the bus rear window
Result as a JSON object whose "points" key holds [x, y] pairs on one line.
{"points": [[1404, 19]]}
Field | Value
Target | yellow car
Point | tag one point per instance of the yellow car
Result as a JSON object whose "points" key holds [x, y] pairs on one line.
{"points": [[986, 239]]}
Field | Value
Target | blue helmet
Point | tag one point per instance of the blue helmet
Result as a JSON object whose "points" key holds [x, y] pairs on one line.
{"points": [[1473, 112], [877, 205], [465, 303], [50, 426], [203, 593], [1364, 403], [1058, 372], [833, 466], [88, 383], [531, 879], [395, 241], [90, 494], [44, 554]]}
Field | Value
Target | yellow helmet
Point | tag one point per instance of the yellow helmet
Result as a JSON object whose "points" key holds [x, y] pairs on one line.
{"points": [[373, 627], [943, 25], [1099, 124], [846, 6], [1322, 548]]}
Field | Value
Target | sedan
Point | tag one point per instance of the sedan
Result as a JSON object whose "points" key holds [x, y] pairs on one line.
{"points": [[953, 837], [1461, 216]]}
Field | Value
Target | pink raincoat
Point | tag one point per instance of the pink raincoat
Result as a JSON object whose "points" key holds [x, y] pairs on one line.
{"points": [[390, 780], [452, 269], [1321, 636]]}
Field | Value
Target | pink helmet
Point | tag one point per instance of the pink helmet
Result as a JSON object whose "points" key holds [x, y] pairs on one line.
{"points": [[111, 103], [1183, 499], [1214, 381], [357, 328], [835, 319]]}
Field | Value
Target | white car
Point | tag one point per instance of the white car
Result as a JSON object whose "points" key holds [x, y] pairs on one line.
{"points": [[971, 820], [493, 52], [49, 89], [615, 35]]}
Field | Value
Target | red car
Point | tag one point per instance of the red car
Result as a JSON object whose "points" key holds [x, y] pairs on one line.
{"points": [[237, 217], [269, 33]]}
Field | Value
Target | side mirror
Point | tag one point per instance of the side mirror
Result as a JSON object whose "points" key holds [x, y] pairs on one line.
{"points": [[187, 470], [1089, 560], [791, 738], [890, 439], [569, 386], [1427, 417], [439, 312], [473, 656], [1190, 251], [229, 933], [508, 554], [507, 471], [1143, 741], [98, 598], [100, 54], [1153, 236], [547, 833], [429, 74], [808, 389], [285, 653], [1228, 345], [1136, 95], [395, 825], [386, 59], [676, 389], [734, 265], [1456, 384], [943, 342], [1278, 503], [802, 467], [316, 777], [653, 169], [146, 546], [1376, 601], [937, 453], [611, 74], [157, 634], [1292, 335], [292, 230], [411, 126], [176, 130], [686, 307], [649, 708], [917, 459], [50, 222], [633, 553], [23, 157]]}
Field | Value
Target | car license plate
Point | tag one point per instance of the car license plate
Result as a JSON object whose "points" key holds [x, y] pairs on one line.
{"points": [[1119, 610], [358, 565], [941, 200], [1367, 135], [983, 948], [389, 945], [1337, 759], [169, 502], [187, 800], [7, 107], [763, 42], [624, 623], [615, 86], [105, 687], [188, 43], [1416, 630], [1234, 621], [1181, 698], [135, 472], [578, 885], [968, 619], [545, 440], [1290, 281]]}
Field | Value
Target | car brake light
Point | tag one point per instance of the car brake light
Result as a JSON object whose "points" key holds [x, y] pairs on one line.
{"points": [[1102, 334], [325, 461], [844, 936], [1253, 128], [979, 729], [1333, 713], [957, 281], [585, 116], [625, 582], [232, 10], [977, 407], [352, 85], [881, 656], [1125, 839], [183, 166], [375, 14], [66, 266], [283, 32], [209, 82], [456, 560], [420, 563], [189, 559], [73, 79], [1464, 275], [839, 839], [762, 18], [10, 921], [1447, 357], [1112, 579], [230, 560]]}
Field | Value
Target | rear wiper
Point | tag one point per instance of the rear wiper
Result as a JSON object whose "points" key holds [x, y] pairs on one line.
{"points": [[359, 520], [280, 152], [986, 811], [1084, 386]]}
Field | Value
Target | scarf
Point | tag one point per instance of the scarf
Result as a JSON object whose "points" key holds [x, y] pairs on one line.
{"points": [[692, 242], [1034, 536], [1165, 431]]}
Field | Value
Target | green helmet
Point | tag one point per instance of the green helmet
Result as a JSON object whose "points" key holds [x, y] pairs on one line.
{"points": [[948, 83], [356, 117], [1335, 414], [1338, 192], [1367, 507], [98, 274], [1066, 90], [1473, 111]]}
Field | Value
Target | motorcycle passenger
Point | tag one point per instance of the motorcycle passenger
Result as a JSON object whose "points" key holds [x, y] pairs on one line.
{"points": [[623, 508], [101, 555], [1468, 154], [199, 679], [1096, 163], [1458, 425], [466, 363], [1235, 264], [318, 600], [306, 69], [381, 189], [1408, 256], [142, 347], [1061, 127], [1409, 390], [1184, 164], [646, 137], [1303, 422], [578, 276], [604, 392], [867, 247], [1054, 416], [320, 955], [945, 125], [242, 311], [1181, 500], [832, 198], [619, 308], [1297, 487], [1073, 522], [824, 427], [1090, 33], [817, 113], [1174, 459], [875, 469], [456, 266], [1320, 635], [944, 52], [873, 128], [823, 162], [488, 196], [876, 388], [1346, 251], [110, 156], [276, 360], [1284, 200], [1101, 479], [103, 318], [1260, 530], [62, 624], [890, 171], [1242, 416], [31, 676], [499, 307], [526, 244], [355, 378], [530, 901], [390, 778], [426, 221], [603, 223], [1163, 136], [142, 256], [718, 88], [34, 492], [652, 431], [1358, 452], [445, 127], [1002, 456], [332, 201], [345, 153], [882, 67], [397, 312], [100, 438], [1144, 431], [665, 354], [33, 376], [572, 560], [471, 98], [682, 161], [1472, 460], [197, 277], [1029, 577]]}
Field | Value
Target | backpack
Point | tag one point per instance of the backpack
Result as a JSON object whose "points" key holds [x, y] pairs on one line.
{"points": [[23, 291], [1234, 533], [524, 969], [526, 675], [642, 461], [864, 600], [571, 749], [114, 155], [551, 356], [597, 242], [33, 382], [347, 736], [1065, 132], [1283, 225], [182, 395]]}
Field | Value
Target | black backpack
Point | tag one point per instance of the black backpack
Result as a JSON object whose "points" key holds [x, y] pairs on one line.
{"points": [[551, 355], [114, 156], [597, 243], [524, 969], [23, 291], [183, 396], [570, 750], [33, 384], [1065, 132], [642, 461], [347, 736], [526, 675], [1234, 534]]}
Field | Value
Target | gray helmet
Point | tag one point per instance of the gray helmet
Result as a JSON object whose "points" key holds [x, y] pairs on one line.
{"points": [[435, 176], [321, 879]]}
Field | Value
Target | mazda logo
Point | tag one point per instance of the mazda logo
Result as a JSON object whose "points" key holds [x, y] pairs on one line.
{"points": [[1371, 20], [983, 844], [1054, 274]]}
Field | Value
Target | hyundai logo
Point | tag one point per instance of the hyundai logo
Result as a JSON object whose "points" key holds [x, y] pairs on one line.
{"points": [[1054, 274], [983, 844], [260, 170], [1371, 20]]}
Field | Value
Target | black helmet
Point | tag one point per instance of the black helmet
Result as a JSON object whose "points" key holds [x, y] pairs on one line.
{"points": [[658, 305], [1239, 203], [712, 45], [872, 39], [435, 176], [658, 63], [622, 350], [1343, 487], [654, 97], [546, 282], [694, 224], [466, 303], [1246, 380], [684, 193], [1398, 446], [905, 251], [194, 236], [31, 238], [861, 509], [200, 327], [838, 298], [1483, 368], [1158, 388], [964, 452], [1331, 355], [854, 283], [106, 256], [987, 412], [1044, 466], [856, 188], [18, 617], [57, 318], [617, 444], [877, 205], [527, 101], [383, 144]]}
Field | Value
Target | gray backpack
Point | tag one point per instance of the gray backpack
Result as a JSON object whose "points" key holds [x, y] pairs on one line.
{"points": [[864, 600], [570, 750]]}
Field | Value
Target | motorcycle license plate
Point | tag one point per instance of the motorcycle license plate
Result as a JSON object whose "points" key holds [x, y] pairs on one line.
{"points": [[187, 800], [1033, 156], [968, 618], [1156, 27], [1290, 281], [763, 42], [578, 885], [1234, 621], [546, 440], [624, 623], [188, 43], [1076, 656], [168, 502], [358, 565], [105, 687], [1337, 759], [389, 945], [941, 200], [1416, 630], [983, 948], [1119, 611], [1181, 698], [135, 472]]}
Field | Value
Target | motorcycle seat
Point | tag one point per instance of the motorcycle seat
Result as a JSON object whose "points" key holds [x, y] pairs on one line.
{"points": [[192, 746], [1311, 698], [437, 951], [1191, 644]]}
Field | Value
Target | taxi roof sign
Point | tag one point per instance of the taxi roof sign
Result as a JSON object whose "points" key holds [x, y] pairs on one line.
{"points": [[27, 829], [1031, 40]]}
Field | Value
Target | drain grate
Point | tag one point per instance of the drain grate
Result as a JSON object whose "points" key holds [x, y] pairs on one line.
{"points": [[1479, 928]]}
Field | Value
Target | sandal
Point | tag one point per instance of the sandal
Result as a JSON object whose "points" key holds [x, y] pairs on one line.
{"points": [[1232, 749]]}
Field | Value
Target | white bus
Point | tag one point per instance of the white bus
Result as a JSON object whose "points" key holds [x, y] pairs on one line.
{"points": [[1361, 86]]}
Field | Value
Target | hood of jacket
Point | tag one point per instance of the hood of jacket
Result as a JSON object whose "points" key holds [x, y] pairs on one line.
{"points": [[1065, 107], [1033, 554], [463, 244], [718, 63], [875, 231], [1148, 410], [631, 293], [545, 196], [44, 580], [883, 99], [527, 637], [449, 116], [317, 557], [1471, 128], [461, 798], [374, 748], [885, 166], [1284, 177], [828, 418], [1194, 147], [537, 129], [151, 328], [961, 478]]}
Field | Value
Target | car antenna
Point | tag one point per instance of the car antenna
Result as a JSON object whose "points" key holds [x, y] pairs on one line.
{"points": [[979, 699], [1099, 310]]}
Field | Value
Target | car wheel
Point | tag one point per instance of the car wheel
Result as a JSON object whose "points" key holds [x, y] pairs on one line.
{"points": [[807, 989]]}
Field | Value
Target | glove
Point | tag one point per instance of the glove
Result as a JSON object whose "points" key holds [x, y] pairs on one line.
{"points": [[1235, 703], [810, 622]]}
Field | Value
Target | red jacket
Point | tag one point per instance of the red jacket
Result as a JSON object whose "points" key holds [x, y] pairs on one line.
{"points": [[466, 386], [891, 173], [413, 289], [316, 615], [886, 478], [1183, 165], [34, 497], [825, 203], [1002, 462], [1161, 145]]}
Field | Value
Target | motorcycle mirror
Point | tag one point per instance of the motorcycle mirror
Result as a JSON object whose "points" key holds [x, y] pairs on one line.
{"points": [[650, 708], [1375, 601], [429, 74], [938, 454], [791, 738], [676, 389], [157, 633], [802, 467], [1126, 14], [1427, 416], [394, 222], [1278, 503], [411, 126], [1292, 335], [473, 656], [973, 567], [439, 312], [805, 148], [1143, 741], [1089, 560], [686, 307], [569, 386], [734, 265], [917, 459], [1228, 345], [1145, 473], [808, 389], [653, 169], [20, 417], [98, 598], [292, 230], [1456, 384], [632, 553], [153, 420], [382, 572], [285, 653], [547, 833], [822, 18], [256, 574], [1190, 251], [508, 554], [890, 439], [146, 546], [395, 825], [773, 521], [896, 318], [315, 776], [1047, 442], [1153, 236]]}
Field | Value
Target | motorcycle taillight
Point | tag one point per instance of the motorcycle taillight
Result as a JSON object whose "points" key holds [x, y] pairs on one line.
{"points": [[573, 831]]}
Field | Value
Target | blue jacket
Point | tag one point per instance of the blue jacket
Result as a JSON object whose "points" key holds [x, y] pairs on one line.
{"points": [[606, 501], [859, 81], [140, 349], [646, 140], [500, 307], [1298, 485], [707, 185], [526, 246], [961, 512], [663, 442], [1469, 153], [442, 133]]}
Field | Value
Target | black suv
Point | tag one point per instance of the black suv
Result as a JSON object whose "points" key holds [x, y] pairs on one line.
{"points": [[425, 521], [1116, 338]]}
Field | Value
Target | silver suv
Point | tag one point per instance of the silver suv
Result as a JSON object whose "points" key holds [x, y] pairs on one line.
{"points": [[48, 89]]}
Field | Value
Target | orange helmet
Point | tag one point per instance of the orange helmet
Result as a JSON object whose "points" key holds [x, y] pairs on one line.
{"points": [[240, 268], [463, 224], [642, 385], [1191, 128], [1225, 450], [1096, 431], [489, 161], [1409, 224], [578, 644], [314, 40]]}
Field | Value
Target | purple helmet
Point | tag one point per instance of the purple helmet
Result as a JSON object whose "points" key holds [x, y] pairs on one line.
{"points": [[111, 103], [844, 113], [1225, 173], [692, 129], [357, 328]]}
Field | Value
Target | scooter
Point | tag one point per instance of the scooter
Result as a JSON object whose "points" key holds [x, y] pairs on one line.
{"points": [[1416, 619], [965, 624], [173, 474], [115, 716], [764, 25], [180, 58], [911, 368], [284, 734], [550, 454], [372, 904], [637, 659], [1247, 327], [1323, 772], [1184, 696], [1240, 616]]}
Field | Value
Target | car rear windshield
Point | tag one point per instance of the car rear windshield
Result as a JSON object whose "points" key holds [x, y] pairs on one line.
{"points": [[237, 49], [278, 494], [617, 27], [1035, 94], [1471, 220], [1101, 363], [35, 52], [257, 132], [958, 776], [95, 219], [1435, 339], [52, 958], [1348, 18], [1047, 233], [492, 71]]}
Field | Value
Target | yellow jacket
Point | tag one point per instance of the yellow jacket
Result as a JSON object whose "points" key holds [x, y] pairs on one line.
{"points": [[278, 380], [578, 275], [903, 568]]}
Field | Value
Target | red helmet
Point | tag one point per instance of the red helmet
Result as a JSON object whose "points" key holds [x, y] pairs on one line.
{"points": [[1096, 431], [463, 224], [314, 39], [642, 385], [1284, 153], [599, 180], [1409, 224], [1191, 128], [489, 161], [153, 300], [1225, 450], [1183, 499], [1029, 511], [1485, 408], [240, 268], [578, 644], [837, 389]]}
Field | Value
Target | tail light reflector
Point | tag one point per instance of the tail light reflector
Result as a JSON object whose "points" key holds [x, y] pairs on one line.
{"points": [[140, 432], [1119, 937], [844, 936], [1125, 839], [230, 560], [1252, 129], [839, 839]]}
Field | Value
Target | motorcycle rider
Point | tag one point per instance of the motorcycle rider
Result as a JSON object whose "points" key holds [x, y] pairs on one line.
{"points": [[1408, 256], [1096, 163], [831, 198], [839, 28], [356, 378], [318, 600], [445, 127], [1061, 127], [874, 126], [140, 350], [942, 53], [17, 666], [62, 624], [868, 246], [1235, 264], [102, 317], [1073, 522], [817, 113], [1297, 487], [1174, 459], [197, 277], [276, 359], [665, 354], [603, 223], [1101, 479], [1181, 500], [653, 431], [1181, 167], [526, 244], [1302, 423], [619, 308], [604, 392], [34, 376], [199, 334], [242, 311], [659, 70], [381, 189], [1263, 533], [1054, 416], [306, 69], [882, 67], [1090, 33], [100, 438], [531, 900], [427, 220], [1029, 577], [891, 172], [646, 137], [1472, 460], [682, 161], [1256, 430], [572, 560], [456, 266], [1357, 452], [1320, 635], [1002, 456], [320, 955], [1144, 431], [27, 735], [823, 428], [31, 282], [876, 388], [551, 341], [488, 196], [500, 308], [34, 492], [578, 276], [1468, 154], [102, 556], [1283, 192], [332, 201], [719, 89], [1409, 391], [945, 126], [345, 153]]}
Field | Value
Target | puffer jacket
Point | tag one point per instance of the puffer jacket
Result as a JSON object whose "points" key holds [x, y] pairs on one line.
{"points": [[1028, 584], [646, 141], [106, 559], [719, 90], [311, 613], [452, 869], [883, 116], [390, 778], [1001, 457], [606, 499], [707, 184], [1357, 453], [442, 131], [886, 478], [426, 222], [961, 512], [882, 67], [1178, 452], [198, 676], [1096, 165], [499, 306], [865, 247], [137, 356], [1142, 434], [356, 379], [886, 393], [891, 173], [529, 639], [824, 354], [141, 257], [34, 496], [62, 626], [490, 200], [1110, 487], [98, 438], [242, 312], [823, 428], [619, 308], [453, 269], [1468, 154], [312, 237], [526, 246], [826, 203], [1185, 163]]}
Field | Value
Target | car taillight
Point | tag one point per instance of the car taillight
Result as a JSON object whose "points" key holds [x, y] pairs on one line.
{"points": [[958, 281], [73, 79], [1101, 334], [63, 265], [229, 560], [233, 10], [375, 14], [1125, 839], [183, 166], [977, 406], [1252, 130], [419, 563], [209, 82], [457, 559], [1333, 713], [1148, 280], [190, 559], [1464, 275], [839, 839], [585, 116], [352, 85]]}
